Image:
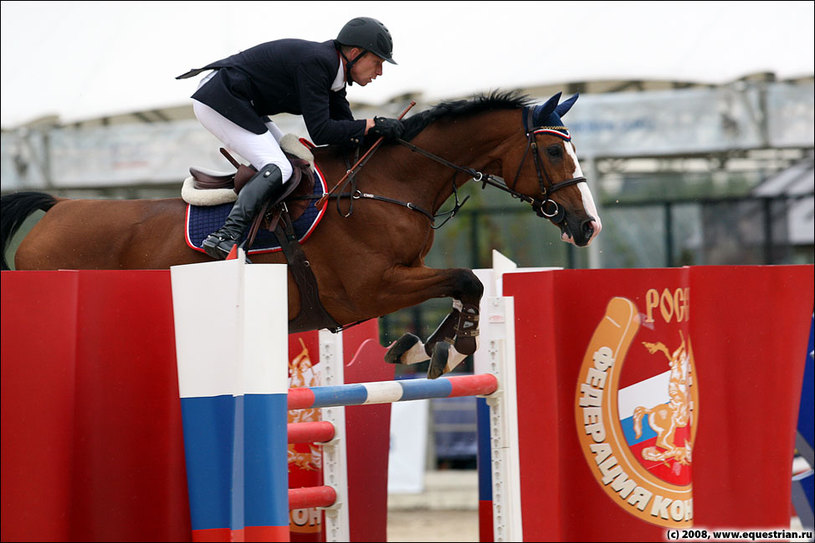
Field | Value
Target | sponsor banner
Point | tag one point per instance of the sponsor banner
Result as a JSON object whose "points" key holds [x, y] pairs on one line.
{"points": [[657, 399], [638, 437], [367, 430], [305, 459]]}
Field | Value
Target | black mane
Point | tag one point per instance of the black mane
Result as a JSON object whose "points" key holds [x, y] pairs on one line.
{"points": [[461, 108]]}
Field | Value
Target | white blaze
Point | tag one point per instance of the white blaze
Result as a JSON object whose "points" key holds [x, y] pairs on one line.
{"points": [[588, 200]]}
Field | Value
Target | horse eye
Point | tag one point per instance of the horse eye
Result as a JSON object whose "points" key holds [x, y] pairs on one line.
{"points": [[554, 151]]}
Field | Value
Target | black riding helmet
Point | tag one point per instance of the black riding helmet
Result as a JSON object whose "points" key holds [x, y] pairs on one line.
{"points": [[369, 35]]}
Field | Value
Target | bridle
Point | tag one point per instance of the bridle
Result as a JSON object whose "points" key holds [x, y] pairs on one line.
{"points": [[543, 207], [556, 214]]}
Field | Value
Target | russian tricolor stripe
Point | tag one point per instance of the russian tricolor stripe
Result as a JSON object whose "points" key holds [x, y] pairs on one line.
{"points": [[555, 132], [232, 350]]}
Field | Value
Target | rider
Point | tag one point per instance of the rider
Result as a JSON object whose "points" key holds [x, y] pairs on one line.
{"points": [[288, 76]]}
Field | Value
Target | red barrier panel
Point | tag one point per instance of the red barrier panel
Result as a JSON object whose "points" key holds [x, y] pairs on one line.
{"points": [[305, 457], [367, 430], [37, 429], [92, 444], [653, 399]]}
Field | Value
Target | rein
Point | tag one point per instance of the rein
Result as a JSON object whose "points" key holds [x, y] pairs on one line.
{"points": [[547, 187], [543, 207]]}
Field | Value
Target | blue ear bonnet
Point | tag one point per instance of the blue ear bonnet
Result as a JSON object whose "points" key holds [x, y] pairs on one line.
{"points": [[548, 115]]}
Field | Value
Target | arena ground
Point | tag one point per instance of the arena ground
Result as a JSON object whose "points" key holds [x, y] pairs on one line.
{"points": [[447, 510], [427, 525]]}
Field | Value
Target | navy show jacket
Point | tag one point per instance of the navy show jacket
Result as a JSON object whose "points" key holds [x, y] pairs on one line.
{"points": [[283, 76]]}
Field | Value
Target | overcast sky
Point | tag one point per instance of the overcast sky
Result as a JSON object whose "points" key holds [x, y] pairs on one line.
{"points": [[85, 59]]}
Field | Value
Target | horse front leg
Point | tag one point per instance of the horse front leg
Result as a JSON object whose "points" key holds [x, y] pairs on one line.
{"points": [[455, 339]]}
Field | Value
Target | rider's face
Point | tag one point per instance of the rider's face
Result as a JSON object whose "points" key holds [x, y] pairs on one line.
{"points": [[367, 68]]}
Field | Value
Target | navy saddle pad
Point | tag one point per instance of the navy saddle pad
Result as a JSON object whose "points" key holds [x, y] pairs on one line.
{"points": [[204, 220]]}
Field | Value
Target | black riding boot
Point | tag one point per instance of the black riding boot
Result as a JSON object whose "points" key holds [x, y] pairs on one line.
{"points": [[267, 183]]}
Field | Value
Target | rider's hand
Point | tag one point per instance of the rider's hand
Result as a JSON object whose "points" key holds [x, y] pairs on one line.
{"points": [[390, 129]]}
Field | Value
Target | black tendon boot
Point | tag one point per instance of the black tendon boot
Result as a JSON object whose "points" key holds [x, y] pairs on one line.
{"points": [[267, 183]]}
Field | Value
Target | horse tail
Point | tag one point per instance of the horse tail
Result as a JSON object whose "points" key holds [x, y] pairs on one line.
{"points": [[639, 412], [14, 210]]}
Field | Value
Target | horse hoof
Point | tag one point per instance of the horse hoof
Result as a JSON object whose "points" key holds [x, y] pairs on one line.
{"points": [[438, 362], [466, 346], [398, 348]]}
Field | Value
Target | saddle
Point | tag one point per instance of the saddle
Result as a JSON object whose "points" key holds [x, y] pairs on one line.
{"points": [[278, 217], [299, 186]]}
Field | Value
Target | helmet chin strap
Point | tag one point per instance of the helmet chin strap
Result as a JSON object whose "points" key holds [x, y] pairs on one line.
{"points": [[350, 64]]}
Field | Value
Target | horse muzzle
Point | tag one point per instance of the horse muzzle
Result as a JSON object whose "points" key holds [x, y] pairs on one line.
{"points": [[583, 235]]}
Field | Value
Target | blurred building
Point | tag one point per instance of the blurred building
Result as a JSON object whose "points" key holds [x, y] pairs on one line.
{"points": [[640, 143]]}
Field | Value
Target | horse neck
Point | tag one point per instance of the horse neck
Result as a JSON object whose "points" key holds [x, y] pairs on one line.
{"points": [[477, 143]]}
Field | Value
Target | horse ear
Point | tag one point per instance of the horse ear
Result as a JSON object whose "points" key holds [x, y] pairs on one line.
{"points": [[561, 109], [543, 111]]}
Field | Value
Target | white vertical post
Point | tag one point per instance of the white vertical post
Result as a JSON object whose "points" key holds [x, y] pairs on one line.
{"points": [[496, 355], [335, 462], [506, 488]]}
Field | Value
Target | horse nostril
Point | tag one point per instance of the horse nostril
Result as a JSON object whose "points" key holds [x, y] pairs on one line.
{"points": [[588, 228]]}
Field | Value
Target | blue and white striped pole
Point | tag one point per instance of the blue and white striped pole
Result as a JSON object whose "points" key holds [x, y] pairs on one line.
{"points": [[392, 391]]}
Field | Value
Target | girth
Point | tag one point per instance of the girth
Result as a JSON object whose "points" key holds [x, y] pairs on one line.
{"points": [[279, 218], [312, 315]]}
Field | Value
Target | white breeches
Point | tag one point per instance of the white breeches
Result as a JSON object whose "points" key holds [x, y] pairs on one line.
{"points": [[258, 149]]}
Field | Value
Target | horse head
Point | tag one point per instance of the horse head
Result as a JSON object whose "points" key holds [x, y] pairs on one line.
{"points": [[548, 171]]}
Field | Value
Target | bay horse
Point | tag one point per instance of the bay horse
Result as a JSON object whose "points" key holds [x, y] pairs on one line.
{"points": [[368, 257]]}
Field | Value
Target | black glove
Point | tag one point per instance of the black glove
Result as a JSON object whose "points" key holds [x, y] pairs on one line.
{"points": [[390, 129]]}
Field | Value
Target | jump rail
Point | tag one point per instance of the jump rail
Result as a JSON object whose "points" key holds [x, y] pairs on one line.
{"points": [[310, 432], [261, 386], [314, 496], [488, 383], [368, 393], [392, 391]]}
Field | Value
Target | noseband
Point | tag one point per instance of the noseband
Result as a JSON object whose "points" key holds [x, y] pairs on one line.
{"points": [[543, 207]]}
